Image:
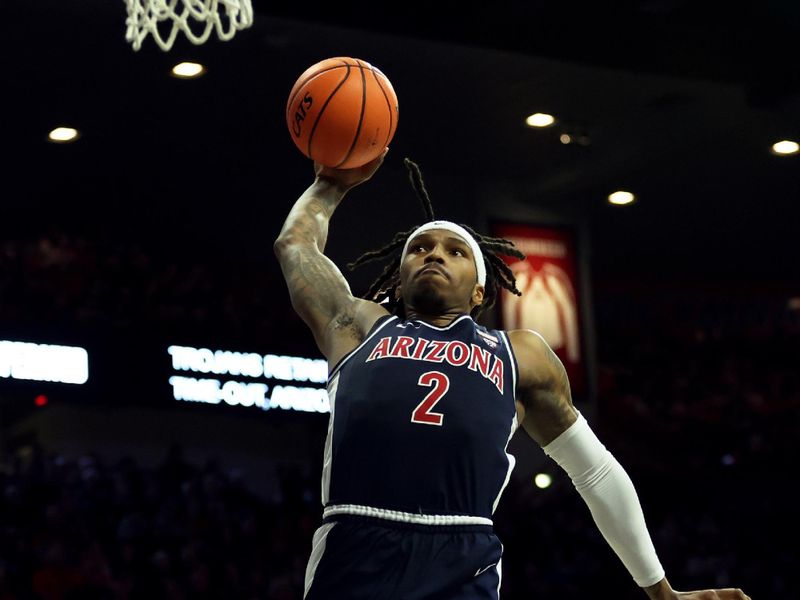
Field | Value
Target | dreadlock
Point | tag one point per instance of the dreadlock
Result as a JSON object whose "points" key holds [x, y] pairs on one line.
{"points": [[498, 273]]}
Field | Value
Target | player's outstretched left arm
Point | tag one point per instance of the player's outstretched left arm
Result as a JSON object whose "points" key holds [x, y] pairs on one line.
{"points": [[547, 414], [662, 590]]}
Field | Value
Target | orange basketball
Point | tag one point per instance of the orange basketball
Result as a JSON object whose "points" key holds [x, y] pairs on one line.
{"points": [[342, 112]]}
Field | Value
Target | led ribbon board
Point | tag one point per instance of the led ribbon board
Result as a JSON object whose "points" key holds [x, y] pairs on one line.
{"points": [[249, 379], [43, 362]]}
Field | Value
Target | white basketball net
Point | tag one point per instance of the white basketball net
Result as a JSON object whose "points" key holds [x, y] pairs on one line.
{"points": [[195, 18]]}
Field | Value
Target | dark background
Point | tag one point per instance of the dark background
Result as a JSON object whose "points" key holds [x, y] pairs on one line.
{"points": [[156, 228]]}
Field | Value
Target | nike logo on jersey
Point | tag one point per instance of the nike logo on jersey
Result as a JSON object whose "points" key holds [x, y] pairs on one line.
{"points": [[479, 571], [455, 353]]}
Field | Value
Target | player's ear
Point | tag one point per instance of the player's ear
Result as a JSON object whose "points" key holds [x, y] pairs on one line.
{"points": [[477, 294], [398, 292]]}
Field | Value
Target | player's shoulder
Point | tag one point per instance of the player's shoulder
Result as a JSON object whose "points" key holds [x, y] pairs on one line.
{"points": [[538, 364], [525, 336], [527, 343], [367, 314]]}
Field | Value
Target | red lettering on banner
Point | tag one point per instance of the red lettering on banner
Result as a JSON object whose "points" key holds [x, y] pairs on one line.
{"points": [[401, 346], [381, 349], [551, 298]]}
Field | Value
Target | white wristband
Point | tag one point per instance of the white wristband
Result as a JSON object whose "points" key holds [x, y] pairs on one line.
{"points": [[609, 493]]}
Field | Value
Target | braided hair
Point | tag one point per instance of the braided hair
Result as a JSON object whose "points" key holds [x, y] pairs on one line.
{"points": [[498, 274]]}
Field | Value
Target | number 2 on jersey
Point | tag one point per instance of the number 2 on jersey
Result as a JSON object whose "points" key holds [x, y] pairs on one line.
{"points": [[440, 383]]}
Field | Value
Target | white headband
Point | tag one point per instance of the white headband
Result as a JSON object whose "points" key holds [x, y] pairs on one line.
{"points": [[460, 232]]}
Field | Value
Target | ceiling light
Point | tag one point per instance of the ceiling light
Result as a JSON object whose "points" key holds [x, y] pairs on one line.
{"points": [[621, 197], [540, 120], [785, 147], [62, 135], [565, 138], [542, 480], [188, 70]]}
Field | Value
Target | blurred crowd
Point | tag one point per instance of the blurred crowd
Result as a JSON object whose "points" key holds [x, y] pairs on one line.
{"points": [[713, 375], [87, 529], [698, 397], [106, 284]]}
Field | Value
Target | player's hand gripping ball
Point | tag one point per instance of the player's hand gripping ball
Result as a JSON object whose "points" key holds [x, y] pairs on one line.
{"points": [[342, 112]]}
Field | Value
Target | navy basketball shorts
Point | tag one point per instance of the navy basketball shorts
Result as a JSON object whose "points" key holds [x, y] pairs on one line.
{"points": [[360, 558]]}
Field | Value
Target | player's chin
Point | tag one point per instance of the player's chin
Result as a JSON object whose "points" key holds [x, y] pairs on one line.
{"points": [[428, 297]]}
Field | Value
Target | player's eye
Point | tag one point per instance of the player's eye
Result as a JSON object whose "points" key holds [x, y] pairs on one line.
{"points": [[458, 252]]}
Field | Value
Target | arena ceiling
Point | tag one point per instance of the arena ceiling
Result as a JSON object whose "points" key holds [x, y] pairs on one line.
{"points": [[677, 101]]}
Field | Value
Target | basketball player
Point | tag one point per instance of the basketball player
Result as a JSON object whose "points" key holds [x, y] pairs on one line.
{"points": [[423, 404]]}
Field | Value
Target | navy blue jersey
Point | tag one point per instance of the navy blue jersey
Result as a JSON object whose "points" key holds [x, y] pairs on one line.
{"points": [[421, 417]]}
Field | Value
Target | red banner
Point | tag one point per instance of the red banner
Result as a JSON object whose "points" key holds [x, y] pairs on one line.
{"points": [[550, 301]]}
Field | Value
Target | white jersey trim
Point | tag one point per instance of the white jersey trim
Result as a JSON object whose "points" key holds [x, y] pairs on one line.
{"points": [[461, 318], [511, 462], [499, 572], [514, 422], [317, 550], [512, 358], [402, 517], [327, 459]]}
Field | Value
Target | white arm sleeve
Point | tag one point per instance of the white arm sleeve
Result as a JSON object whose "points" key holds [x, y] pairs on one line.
{"points": [[609, 493]]}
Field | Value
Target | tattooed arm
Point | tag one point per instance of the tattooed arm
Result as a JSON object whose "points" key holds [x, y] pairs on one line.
{"points": [[319, 292], [544, 402]]}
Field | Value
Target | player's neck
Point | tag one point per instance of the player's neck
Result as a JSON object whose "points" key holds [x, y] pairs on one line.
{"points": [[438, 320]]}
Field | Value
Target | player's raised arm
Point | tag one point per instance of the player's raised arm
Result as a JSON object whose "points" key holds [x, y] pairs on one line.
{"points": [[319, 292], [549, 417]]}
